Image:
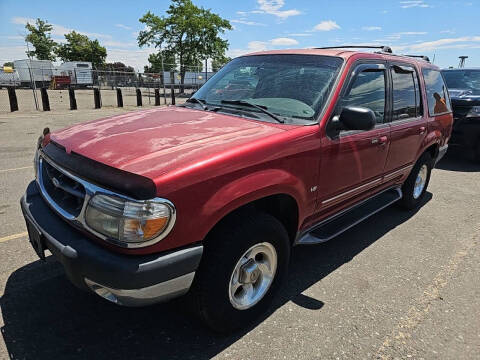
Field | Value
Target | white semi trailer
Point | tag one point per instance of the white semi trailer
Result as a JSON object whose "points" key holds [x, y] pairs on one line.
{"points": [[80, 72], [29, 71]]}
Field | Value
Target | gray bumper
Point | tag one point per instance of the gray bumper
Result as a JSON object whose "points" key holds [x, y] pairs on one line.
{"points": [[131, 280]]}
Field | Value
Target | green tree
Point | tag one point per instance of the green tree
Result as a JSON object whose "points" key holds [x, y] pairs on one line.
{"points": [[155, 60], [10, 64], [116, 66], [39, 37], [189, 32], [219, 62], [80, 48]]}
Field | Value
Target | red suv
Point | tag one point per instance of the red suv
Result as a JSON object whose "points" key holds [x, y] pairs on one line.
{"points": [[279, 148]]}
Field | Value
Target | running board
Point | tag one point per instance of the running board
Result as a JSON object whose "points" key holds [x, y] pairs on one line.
{"points": [[339, 223]]}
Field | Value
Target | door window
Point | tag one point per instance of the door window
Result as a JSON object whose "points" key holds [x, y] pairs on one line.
{"points": [[368, 91], [406, 94], [437, 95]]}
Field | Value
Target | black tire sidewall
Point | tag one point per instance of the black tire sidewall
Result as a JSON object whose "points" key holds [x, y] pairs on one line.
{"points": [[222, 252], [408, 200]]}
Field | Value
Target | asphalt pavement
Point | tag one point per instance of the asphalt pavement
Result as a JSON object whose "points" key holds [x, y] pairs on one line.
{"points": [[400, 285]]}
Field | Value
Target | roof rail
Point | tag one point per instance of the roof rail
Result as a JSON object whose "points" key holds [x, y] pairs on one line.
{"points": [[423, 57], [383, 48]]}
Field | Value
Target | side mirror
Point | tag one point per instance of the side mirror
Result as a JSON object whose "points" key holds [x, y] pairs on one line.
{"points": [[356, 118]]}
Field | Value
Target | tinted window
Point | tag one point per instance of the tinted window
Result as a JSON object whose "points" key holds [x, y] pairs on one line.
{"points": [[437, 95], [368, 90], [406, 95]]}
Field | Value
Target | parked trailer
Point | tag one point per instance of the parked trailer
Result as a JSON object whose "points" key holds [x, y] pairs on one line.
{"points": [[8, 77], [80, 72], [40, 71]]}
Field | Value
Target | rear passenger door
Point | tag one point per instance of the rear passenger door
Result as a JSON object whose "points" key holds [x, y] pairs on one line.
{"points": [[408, 125]]}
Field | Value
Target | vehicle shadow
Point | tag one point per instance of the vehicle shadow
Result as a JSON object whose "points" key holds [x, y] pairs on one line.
{"points": [[455, 160], [45, 317]]}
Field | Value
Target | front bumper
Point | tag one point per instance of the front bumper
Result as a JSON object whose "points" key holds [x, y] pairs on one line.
{"points": [[124, 279]]}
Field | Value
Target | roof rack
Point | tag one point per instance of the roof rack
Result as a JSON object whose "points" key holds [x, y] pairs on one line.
{"points": [[383, 48], [423, 57]]}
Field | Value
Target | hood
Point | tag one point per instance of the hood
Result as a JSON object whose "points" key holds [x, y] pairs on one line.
{"points": [[464, 97], [153, 142]]}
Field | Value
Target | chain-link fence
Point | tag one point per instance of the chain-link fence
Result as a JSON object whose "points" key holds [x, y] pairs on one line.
{"points": [[37, 85]]}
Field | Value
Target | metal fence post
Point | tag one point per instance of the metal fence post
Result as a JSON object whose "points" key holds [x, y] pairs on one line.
{"points": [[97, 98], [12, 96], [119, 98], [45, 102], [172, 93], [73, 100], [139, 97], [157, 97]]}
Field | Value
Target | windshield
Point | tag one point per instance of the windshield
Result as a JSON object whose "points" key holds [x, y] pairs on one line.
{"points": [[293, 87], [462, 79]]}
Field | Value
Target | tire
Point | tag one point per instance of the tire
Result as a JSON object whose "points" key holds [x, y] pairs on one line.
{"points": [[412, 197], [224, 248]]}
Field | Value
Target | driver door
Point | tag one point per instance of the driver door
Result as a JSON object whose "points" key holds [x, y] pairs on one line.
{"points": [[353, 162]]}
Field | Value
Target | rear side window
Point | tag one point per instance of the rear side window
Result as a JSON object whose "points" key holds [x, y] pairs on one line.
{"points": [[437, 95], [368, 90], [406, 94]]}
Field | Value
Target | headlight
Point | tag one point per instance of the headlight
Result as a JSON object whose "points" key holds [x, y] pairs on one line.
{"points": [[132, 223], [474, 112]]}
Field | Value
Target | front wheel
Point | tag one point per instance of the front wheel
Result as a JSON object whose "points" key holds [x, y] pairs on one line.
{"points": [[243, 265], [415, 186]]}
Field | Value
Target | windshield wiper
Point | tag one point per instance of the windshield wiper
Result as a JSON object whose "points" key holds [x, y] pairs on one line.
{"points": [[198, 101], [258, 107]]}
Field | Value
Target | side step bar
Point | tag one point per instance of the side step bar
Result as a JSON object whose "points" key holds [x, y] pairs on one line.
{"points": [[339, 223]]}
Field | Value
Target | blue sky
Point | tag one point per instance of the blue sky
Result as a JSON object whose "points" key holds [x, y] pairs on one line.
{"points": [[445, 29]]}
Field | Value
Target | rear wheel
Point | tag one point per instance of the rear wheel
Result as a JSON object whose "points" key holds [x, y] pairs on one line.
{"points": [[415, 186], [244, 262]]}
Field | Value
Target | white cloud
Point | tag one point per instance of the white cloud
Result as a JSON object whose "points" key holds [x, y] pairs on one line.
{"points": [[245, 22], [10, 53], [283, 42], [253, 46], [412, 33], [371, 28], [273, 7], [413, 3], [447, 43], [326, 25], [137, 58], [299, 34], [123, 26], [256, 46], [58, 30], [22, 20]]}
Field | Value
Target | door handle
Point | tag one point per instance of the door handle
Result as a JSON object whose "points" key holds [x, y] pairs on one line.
{"points": [[382, 140], [423, 130]]}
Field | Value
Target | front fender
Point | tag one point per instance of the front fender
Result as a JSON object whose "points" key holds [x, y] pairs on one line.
{"points": [[253, 187]]}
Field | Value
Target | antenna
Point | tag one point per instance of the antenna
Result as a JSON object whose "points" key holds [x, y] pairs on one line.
{"points": [[462, 61]]}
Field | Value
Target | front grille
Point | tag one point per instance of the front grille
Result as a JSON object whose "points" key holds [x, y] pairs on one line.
{"points": [[67, 193]]}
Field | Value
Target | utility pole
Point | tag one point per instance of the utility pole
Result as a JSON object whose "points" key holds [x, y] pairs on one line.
{"points": [[32, 78], [163, 76]]}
